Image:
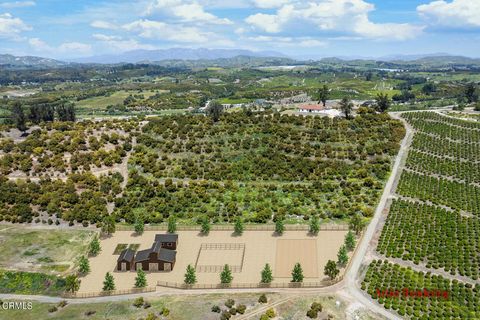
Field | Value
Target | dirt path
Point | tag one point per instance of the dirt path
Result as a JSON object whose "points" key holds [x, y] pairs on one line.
{"points": [[352, 277]]}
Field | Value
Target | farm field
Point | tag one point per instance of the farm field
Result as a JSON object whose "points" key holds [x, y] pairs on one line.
{"points": [[452, 299], [431, 230], [41, 249], [260, 167], [260, 247]]}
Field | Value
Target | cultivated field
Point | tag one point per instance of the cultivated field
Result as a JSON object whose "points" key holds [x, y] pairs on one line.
{"points": [[260, 248]]}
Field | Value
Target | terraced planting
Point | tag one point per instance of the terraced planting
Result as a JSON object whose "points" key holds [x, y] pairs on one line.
{"points": [[452, 194], [455, 299], [437, 238], [462, 170], [436, 225]]}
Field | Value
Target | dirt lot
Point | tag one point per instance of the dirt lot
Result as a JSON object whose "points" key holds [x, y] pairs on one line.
{"points": [[260, 247]]}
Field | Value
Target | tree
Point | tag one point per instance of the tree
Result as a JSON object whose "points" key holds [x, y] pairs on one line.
{"points": [[429, 88], [66, 112], [205, 227], [172, 224], [279, 226], [108, 225], [139, 226], [350, 241], [72, 283], [471, 93], [356, 223], [140, 279], [238, 226], [35, 114], [94, 247], [83, 265], [215, 110], [314, 225], [267, 276], [190, 277], [342, 256], [226, 275], [297, 273], [323, 94], [331, 269], [18, 117], [383, 102], [346, 106], [108, 283]]}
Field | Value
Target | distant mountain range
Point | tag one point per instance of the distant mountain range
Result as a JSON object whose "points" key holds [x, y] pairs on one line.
{"points": [[184, 57], [28, 61], [139, 56]]}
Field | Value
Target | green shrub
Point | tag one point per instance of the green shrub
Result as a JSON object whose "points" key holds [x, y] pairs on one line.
{"points": [[229, 303]]}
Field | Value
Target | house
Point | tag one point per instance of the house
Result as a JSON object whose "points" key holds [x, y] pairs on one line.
{"points": [[168, 241], [156, 258], [125, 260], [312, 108]]}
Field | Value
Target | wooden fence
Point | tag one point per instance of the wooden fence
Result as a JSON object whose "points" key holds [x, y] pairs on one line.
{"points": [[70, 295], [283, 285], [248, 227]]}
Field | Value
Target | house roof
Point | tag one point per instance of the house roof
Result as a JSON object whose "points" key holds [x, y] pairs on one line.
{"points": [[126, 255], [167, 255], [168, 237], [156, 246], [311, 107], [143, 255]]}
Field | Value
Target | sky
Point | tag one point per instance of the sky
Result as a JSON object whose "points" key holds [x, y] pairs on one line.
{"points": [[68, 29]]}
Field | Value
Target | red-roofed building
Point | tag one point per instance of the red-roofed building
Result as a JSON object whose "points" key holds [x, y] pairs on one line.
{"points": [[311, 108]]}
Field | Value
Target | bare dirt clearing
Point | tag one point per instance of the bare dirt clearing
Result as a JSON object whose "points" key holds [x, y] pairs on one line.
{"points": [[260, 248]]}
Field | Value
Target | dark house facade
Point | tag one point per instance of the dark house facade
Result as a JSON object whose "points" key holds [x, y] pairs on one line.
{"points": [[160, 257], [126, 259], [168, 241]]}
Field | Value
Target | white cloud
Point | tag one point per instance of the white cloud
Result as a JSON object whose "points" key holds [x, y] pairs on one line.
{"points": [[348, 16], [100, 24], [186, 11], [70, 48], [104, 37], [121, 44], [10, 27], [17, 4], [76, 48], [457, 13], [160, 30], [277, 41], [268, 4], [39, 45]]}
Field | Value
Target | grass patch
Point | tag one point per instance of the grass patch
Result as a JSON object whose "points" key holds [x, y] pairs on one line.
{"points": [[27, 249], [30, 283], [119, 248], [134, 246]]}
